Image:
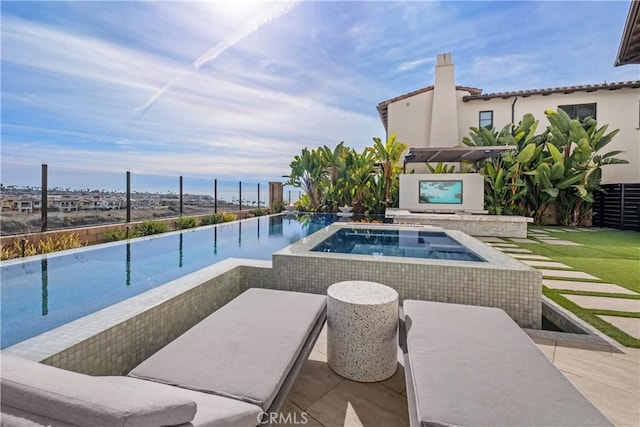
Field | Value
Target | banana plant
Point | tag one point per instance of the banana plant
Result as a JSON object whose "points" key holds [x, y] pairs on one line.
{"points": [[388, 156], [441, 168], [581, 143]]}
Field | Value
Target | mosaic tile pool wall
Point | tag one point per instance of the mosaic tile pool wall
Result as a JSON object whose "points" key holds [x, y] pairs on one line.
{"points": [[116, 339], [500, 282]]}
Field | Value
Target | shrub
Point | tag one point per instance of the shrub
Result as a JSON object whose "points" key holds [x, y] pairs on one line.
{"points": [[150, 227], [259, 212], [187, 222], [277, 207], [55, 243], [218, 218], [115, 235]]}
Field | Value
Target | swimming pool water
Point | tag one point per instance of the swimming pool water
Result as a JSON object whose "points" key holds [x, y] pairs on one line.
{"points": [[42, 294], [397, 243]]}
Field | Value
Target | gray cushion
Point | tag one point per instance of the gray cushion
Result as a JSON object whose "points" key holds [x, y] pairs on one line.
{"points": [[473, 365], [244, 350], [79, 399], [13, 417], [213, 410]]}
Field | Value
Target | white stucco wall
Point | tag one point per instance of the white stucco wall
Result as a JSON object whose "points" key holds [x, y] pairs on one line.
{"points": [[620, 109], [410, 119]]}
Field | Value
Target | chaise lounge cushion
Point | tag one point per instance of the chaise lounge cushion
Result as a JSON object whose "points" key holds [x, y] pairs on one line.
{"points": [[213, 410], [473, 366], [245, 350], [69, 397]]}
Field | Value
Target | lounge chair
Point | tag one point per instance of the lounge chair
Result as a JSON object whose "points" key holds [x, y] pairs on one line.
{"points": [[233, 368], [473, 366]]}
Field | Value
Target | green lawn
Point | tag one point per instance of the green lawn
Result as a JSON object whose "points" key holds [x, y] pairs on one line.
{"points": [[611, 255]]}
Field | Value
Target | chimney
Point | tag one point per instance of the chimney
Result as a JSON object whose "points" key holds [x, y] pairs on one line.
{"points": [[444, 111]]}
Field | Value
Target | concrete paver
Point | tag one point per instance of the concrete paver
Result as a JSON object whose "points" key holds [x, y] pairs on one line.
{"points": [[545, 264], [514, 250], [605, 303], [530, 256], [521, 240], [502, 245], [567, 274], [559, 242], [487, 239], [630, 325], [586, 286]]}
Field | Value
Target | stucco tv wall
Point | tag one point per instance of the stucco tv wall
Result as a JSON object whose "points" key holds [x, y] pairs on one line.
{"points": [[451, 192]]}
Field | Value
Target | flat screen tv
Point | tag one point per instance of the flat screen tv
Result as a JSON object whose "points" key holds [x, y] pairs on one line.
{"points": [[440, 191]]}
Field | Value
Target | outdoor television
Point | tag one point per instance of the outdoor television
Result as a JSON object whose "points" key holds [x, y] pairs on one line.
{"points": [[445, 192]]}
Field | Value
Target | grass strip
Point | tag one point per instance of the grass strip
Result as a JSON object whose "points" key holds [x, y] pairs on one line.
{"points": [[591, 318]]}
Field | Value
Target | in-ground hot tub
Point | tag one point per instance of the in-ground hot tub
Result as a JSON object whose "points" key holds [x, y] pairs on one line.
{"points": [[484, 276]]}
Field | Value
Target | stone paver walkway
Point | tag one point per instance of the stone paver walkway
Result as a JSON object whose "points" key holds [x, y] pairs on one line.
{"points": [[573, 285], [630, 325], [502, 245], [559, 242], [490, 239], [514, 250], [530, 256], [545, 264], [564, 279], [521, 240], [568, 274], [606, 303]]}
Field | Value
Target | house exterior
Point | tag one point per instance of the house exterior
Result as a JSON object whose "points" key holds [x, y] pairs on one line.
{"points": [[27, 205], [441, 115], [64, 203]]}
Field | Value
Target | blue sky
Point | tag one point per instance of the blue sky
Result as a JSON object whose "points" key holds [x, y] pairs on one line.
{"points": [[233, 90]]}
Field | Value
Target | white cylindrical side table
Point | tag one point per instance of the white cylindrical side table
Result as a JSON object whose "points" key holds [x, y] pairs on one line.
{"points": [[362, 330]]}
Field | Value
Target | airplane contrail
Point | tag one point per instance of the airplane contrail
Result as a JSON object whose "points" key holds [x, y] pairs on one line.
{"points": [[221, 47], [210, 55]]}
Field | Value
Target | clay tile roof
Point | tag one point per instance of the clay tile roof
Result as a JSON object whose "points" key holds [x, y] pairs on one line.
{"points": [[549, 91]]}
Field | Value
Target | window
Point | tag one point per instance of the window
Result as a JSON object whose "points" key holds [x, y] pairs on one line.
{"points": [[486, 119], [580, 111]]}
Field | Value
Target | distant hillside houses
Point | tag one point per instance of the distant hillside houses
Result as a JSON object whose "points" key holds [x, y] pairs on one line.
{"points": [[30, 204]]}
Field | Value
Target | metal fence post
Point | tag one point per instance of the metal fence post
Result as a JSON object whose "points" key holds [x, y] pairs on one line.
{"points": [[44, 199], [180, 195], [128, 196], [215, 196], [240, 191]]}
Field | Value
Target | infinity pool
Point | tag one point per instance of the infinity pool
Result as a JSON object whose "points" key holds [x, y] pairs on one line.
{"points": [[48, 291]]}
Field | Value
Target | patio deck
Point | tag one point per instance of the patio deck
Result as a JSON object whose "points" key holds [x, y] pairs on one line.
{"points": [[609, 379]]}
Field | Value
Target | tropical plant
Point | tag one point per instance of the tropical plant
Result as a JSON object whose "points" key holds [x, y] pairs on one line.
{"points": [[331, 178], [580, 143], [306, 173], [388, 157], [561, 165], [441, 168]]}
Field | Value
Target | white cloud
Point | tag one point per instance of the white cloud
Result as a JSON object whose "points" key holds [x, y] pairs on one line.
{"points": [[502, 67], [410, 65]]}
